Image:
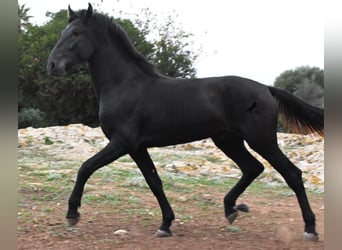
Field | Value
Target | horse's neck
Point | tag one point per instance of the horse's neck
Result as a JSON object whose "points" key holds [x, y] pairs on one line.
{"points": [[111, 67]]}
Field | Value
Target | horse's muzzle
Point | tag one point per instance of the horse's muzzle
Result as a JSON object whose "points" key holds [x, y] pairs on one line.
{"points": [[55, 69]]}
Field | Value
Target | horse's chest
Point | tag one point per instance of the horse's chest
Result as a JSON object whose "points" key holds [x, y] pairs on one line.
{"points": [[115, 117]]}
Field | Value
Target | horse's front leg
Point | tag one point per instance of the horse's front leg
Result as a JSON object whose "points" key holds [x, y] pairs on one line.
{"points": [[145, 164], [107, 155]]}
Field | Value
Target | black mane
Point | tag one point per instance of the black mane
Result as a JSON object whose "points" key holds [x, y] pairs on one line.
{"points": [[105, 28]]}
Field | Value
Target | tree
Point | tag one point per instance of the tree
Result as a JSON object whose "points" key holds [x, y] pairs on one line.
{"points": [[170, 56], [310, 92], [304, 82], [23, 18], [290, 79], [171, 51]]}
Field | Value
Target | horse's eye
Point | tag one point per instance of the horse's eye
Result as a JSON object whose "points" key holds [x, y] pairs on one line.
{"points": [[76, 32]]}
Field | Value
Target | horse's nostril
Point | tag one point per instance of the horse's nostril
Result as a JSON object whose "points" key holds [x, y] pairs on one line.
{"points": [[50, 67]]}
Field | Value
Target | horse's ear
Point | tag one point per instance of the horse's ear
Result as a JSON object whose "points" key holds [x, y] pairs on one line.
{"points": [[89, 12], [71, 14]]}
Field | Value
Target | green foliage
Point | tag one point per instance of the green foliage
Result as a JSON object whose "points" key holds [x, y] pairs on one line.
{"points": [[30, 117], [48, 141], [311, 92], [170, 45], [171, 54], [305, 82], [45, 100], [23, 18], [171, 59]]}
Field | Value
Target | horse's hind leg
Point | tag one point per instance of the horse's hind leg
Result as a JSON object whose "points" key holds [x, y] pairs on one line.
{"points": [[293, 176], [145, 164], [235, 149]]}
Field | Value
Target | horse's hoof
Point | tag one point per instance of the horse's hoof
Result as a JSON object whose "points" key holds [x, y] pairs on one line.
{"points": [[162, 234], [242, 207], [311, 236], [232, 217], [73, 221]]}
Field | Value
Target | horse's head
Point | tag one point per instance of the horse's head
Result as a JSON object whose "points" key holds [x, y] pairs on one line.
{"points": [[75, 44]]}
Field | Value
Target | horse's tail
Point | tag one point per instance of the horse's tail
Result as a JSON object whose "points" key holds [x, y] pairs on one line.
{"points": [[297, 114]]}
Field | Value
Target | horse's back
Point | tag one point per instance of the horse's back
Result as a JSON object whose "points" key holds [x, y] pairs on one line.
{"points": [[192, 109], [236, 97]]}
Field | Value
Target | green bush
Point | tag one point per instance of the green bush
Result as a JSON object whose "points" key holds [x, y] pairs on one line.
{"points": [[31, 117]]}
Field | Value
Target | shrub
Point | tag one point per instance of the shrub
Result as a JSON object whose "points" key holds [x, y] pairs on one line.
{"points": [[31, 117]]}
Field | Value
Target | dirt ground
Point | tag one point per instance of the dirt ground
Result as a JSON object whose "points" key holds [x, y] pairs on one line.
{"points": [[274, 222], [117, 197]]}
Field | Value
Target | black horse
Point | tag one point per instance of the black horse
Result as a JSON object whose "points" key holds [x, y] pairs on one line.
{"points": [[142, 108]]}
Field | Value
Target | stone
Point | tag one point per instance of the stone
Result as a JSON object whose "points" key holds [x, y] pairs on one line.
{"points": [[120, 232]]}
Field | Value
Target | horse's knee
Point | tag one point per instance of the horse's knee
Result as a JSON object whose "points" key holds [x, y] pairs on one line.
{"points": [[253, 172], [85, 171], [258, 169], [293, 177]]}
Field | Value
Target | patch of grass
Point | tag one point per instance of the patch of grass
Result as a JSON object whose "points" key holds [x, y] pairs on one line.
{"points": [[185, 217], [137, 182], [39, 174], [142, 211], [48, 141], [39, 197], [116, 175], [48, 193], [91, 141], [54, 176], [231, 229], [177, 187], [205, 181], [134, 200], [48, 209], [166, 157], [202, 201], [25, 216], [262, 190], [125, 159], [105, 240], [213, 159], [24, 168], [106, 198], [286, 193]]}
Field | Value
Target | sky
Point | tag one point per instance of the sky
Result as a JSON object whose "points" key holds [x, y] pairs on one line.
{"points": [[254, 39]]}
